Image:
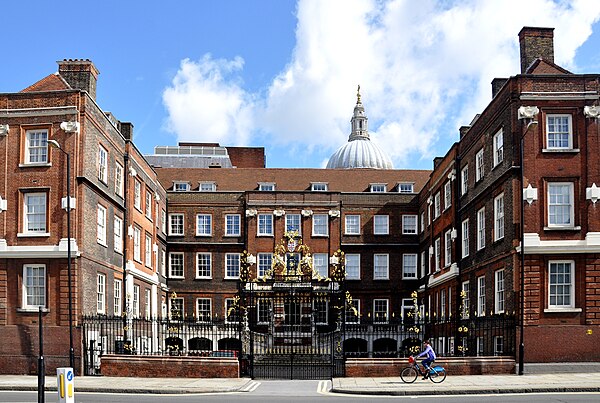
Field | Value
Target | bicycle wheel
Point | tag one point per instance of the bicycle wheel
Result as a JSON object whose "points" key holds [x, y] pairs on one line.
{"points": [[437, 375], [408, 374]]}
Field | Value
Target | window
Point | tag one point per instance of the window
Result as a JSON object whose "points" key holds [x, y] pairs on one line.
{"points": [[436, 205], [148, 205], [232, 265], [119, 179], [499, 291], [148, 251], [263, 310], [34, 286], [265, 224], [378, 187], [559, 132], [163, 221], [352, 226], [409, 224], [320, 309], [498, 345], [137, 248], [443, 304], [207, 187], [266, 187], [464, 180], [203, 265], [465, 300], [102, 164], [36, 146], [353, 311], [203, 309], [409, 266], [137, 195], [101, 225], [319, 187], [381, 267], [163, 262], [147, 306], [481, 296], [352, 266], [499, 217], [177, 309], [498, 147], [203, 225], [117, 297], [380, 310], [264, 264], [437, 251], [176, 268], [465, 238], [447, 195], [560, 204], [181, 186], [175, 224], [231, 311], [406, 187], [381, 225], [479, 167], [422, 222], [101, 293], [232, 225], [481, 229], [118, 234], [448, 248], [423, 264], [293, 223], [35, 213], [321, 264], [560, 284], [320, 225]]}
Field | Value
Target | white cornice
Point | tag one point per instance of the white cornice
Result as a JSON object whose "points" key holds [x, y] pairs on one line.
{"points": [[39, 251], [449, 275], [534, 245], [135, 272]]}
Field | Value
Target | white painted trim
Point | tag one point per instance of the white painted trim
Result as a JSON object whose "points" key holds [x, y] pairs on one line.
{"points": [[40, 251], [135, 272], [534, 245], [450, 274]]}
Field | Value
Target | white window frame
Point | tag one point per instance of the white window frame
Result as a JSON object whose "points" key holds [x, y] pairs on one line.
{"points": [[447, 195], [36, 148], [293, 222], [118, 234], [266, 186], [352, 266], [422, 222], [321, 311], [437, 252], [498, 143], [567, 287], [409, 266], [499, 217], [178, 305], [264, 226], [102, 164], [101, 225], [207, 187], [350, 316], [498, 345], [148, 251], [101, 293], [381, 315], [163, 221], [466, 301], [404, 187], [423, 263], [381, 266], [569, 133], [31, 210], [448, 248], [352, 224], [117, 297], [232, 225], [465, 238], [319, 186], [443, 303], [321, 264], [203, 224], [119, 179], [176, 224], [176, 262], [479, 166], [554, 205], [481, 228], [137, 194], [320, 225], [230, 303], [437, 208], [204, 265], [378, 187], [32, 290], [264, 263], [206, 315], [407, 226], [232, 265], [381, 224], [464, 180], [147, 303], [499, 289], [481, 296], [179, 186], [137, 247], [148, 205]]}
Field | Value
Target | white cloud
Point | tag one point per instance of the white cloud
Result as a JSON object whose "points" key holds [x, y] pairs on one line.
{"points": [[424, 71]]}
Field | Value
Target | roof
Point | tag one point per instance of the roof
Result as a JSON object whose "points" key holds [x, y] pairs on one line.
{"points": [[542, 66], [293, 179], [53, 82]]}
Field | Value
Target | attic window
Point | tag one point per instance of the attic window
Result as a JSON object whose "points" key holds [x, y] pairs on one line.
{"points": [[406, 187], [207, 187], [181, 186], [266, 186], [378, 187], [319, 187]]}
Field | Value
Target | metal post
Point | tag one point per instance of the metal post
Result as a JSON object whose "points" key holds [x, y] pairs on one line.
{"points": [[69, 275], [41, 363]]}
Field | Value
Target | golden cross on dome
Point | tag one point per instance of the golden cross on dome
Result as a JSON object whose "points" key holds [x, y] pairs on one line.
{"points": [[358, 94]]}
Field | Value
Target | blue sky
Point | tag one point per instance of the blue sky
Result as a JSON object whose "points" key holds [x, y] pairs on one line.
{"points": [[283, 74]]}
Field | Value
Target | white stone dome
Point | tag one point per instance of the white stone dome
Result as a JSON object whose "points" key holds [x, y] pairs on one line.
{"points": [[359, 151]]}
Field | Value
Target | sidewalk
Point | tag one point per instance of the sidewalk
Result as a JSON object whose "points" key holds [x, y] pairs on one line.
{"points": [[453, 385]]}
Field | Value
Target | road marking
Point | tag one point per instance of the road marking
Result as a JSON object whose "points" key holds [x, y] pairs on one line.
{"points": [[323, 387], [251, 386]]}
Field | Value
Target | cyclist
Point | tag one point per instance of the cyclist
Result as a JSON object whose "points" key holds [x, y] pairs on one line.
{"points": [[429, 355]]}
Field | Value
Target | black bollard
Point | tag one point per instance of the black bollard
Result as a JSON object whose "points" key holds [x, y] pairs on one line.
{"points": [[41, 363]]}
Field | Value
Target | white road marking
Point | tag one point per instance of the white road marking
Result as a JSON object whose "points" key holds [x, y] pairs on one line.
{"points": [[251, 386], [323, 387]]}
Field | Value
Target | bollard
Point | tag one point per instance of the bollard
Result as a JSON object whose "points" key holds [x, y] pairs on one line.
{"points": [[66, 386]]}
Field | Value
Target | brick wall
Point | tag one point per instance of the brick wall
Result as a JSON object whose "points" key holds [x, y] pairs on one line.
{"points": [[169, 367]]}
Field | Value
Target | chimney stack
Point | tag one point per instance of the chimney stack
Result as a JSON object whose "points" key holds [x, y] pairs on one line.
{"points": [[126, 129], [536, 43], [497, 84], [80, 74]]}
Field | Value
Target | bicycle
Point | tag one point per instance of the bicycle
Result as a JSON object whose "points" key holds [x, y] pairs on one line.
{"points": [[409, 374]]}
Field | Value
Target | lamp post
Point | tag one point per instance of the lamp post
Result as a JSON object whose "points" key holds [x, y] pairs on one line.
{"points": [[56, 145]]}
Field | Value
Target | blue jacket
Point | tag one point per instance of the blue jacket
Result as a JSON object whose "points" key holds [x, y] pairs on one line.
{"points": [[428, 352]]}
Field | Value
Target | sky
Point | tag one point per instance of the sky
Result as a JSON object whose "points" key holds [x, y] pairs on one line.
{"points": [[283, 74]]}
